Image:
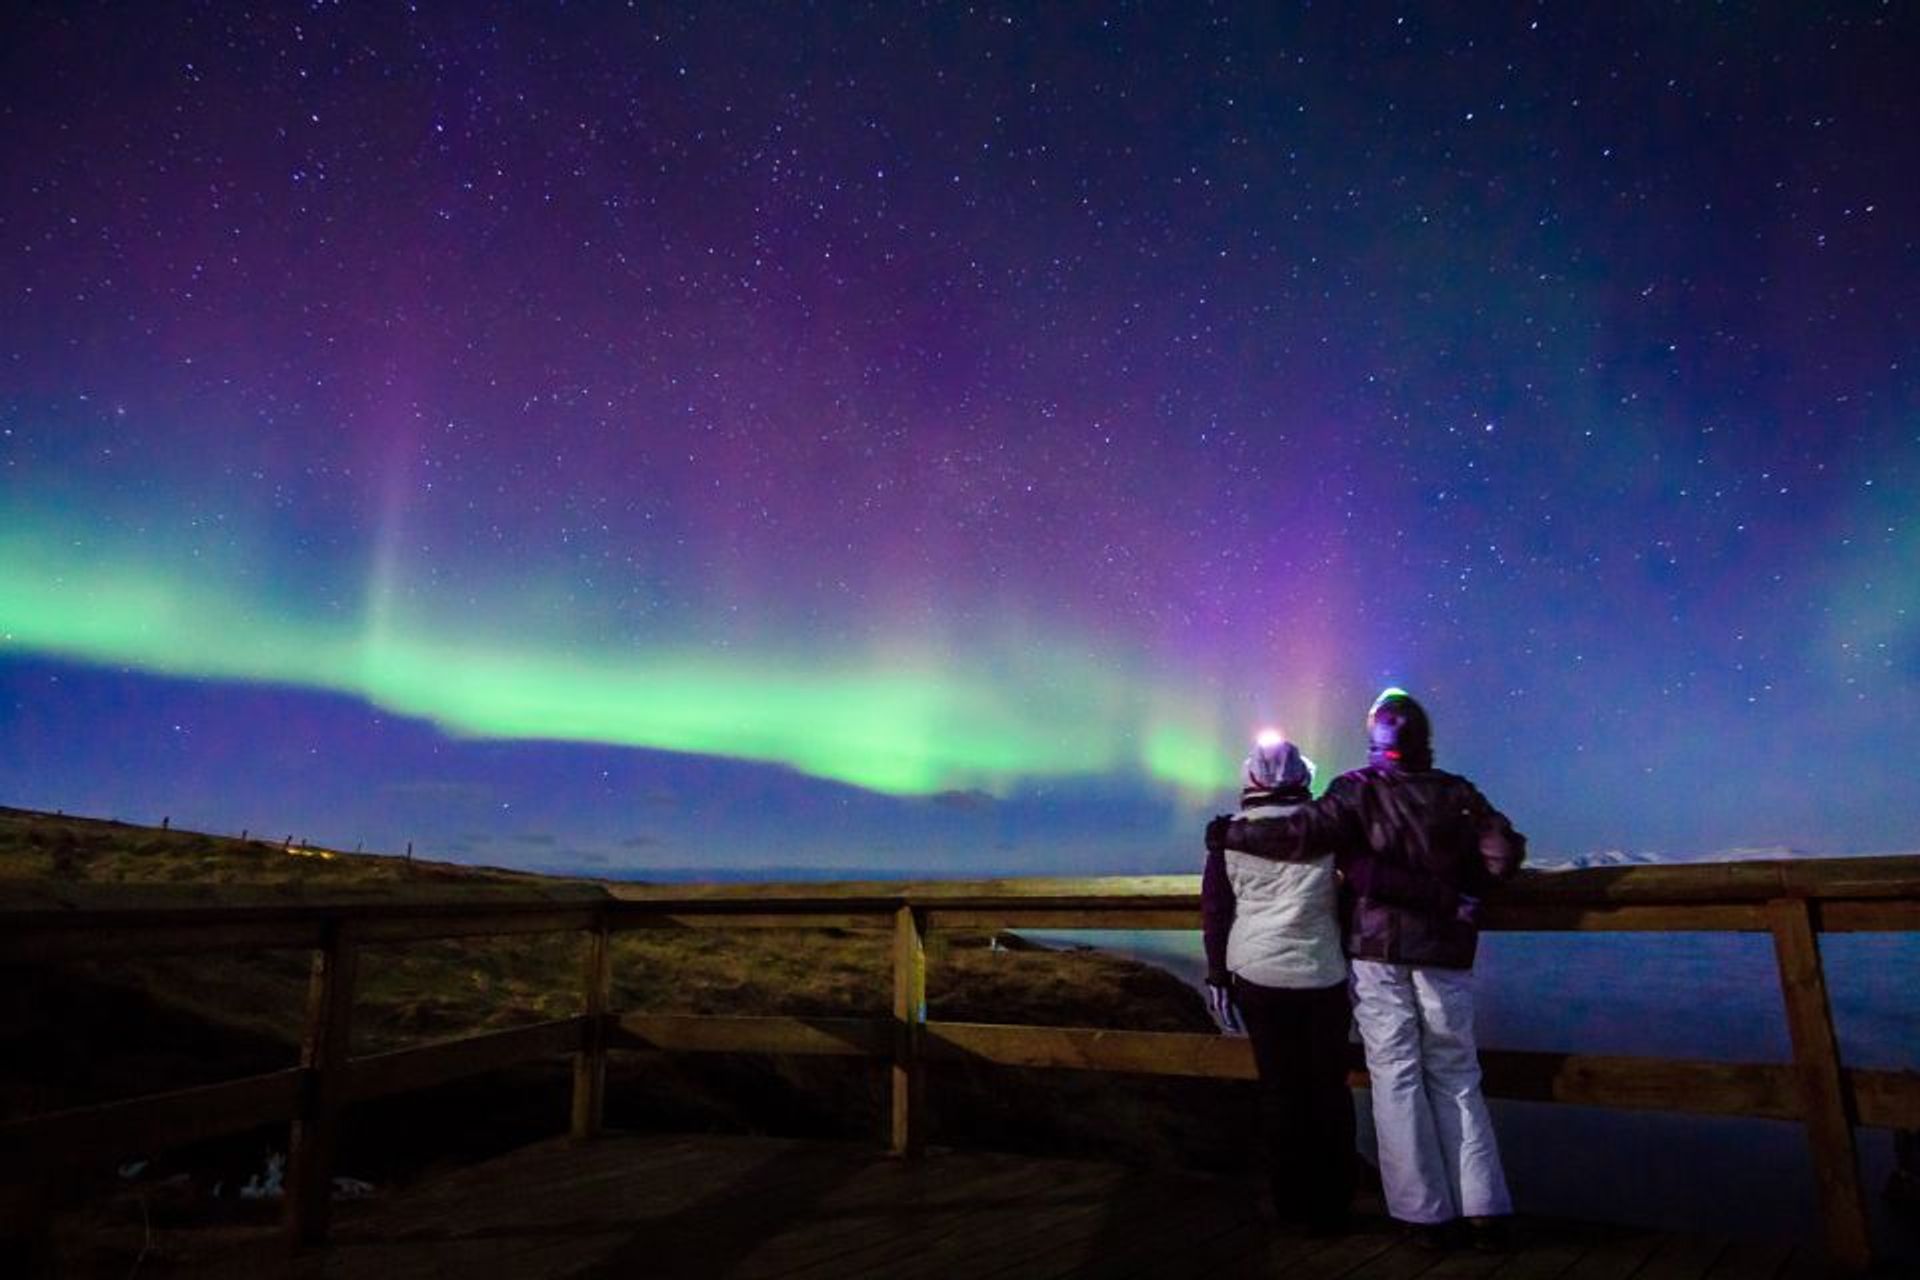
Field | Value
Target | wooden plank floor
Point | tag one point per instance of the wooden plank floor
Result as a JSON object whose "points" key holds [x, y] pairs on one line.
{"points": [[631, 1205]]}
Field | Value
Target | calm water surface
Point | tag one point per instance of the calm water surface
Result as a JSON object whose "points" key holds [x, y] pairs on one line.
{"points": [[1693, 995]]}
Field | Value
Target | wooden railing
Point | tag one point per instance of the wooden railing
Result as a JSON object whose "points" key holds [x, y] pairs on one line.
{"points": [[1794, 902]]}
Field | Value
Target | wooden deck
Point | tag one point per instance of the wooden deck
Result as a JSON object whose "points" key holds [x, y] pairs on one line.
{"points": [[628, 1205]]}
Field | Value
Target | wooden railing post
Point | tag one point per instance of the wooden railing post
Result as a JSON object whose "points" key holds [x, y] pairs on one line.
{"points": [[324, 1049], [909, 1016], [1822, 1087], [590, 1064]]}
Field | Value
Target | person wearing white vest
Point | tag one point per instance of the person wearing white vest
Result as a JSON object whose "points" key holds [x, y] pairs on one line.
{"points": [[1274, 959]]}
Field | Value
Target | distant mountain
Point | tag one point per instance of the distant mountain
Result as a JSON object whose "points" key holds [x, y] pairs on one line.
{"points": [[1624, 858], [1600, 858]]}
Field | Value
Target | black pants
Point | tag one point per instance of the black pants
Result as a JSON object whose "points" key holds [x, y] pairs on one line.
{"points": [[1300, 1047]]}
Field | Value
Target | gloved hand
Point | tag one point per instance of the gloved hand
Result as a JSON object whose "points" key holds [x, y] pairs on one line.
{"points": [[1217, 833], [1220, 1005], [1467, 910]]}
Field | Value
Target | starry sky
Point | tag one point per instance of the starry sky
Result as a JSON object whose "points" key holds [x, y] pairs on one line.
{"points": [[923, 437]]}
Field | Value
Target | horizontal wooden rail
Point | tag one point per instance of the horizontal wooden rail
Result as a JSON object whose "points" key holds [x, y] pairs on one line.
{"points": [[1883, 1099], [1160, 1053], [1886, 1099], [1758, 881], [1762, 1091], [492, 923], [627, 920], [405, 1070], [1119, 891], [140, 1126], [76, 937], [1026, 917], [41, 922], [1751, 1090], [1626, 917], [1870, 916], [38, 924], [706, 1033], [39, 935]]}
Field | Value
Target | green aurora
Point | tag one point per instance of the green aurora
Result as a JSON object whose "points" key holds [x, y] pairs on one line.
{"points": [[903, 724]]}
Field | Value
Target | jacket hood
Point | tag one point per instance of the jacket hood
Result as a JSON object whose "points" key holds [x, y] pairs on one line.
{"points": [[1399, 735]]}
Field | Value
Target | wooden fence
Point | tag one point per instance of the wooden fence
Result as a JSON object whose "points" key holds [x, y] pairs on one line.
{"points": [[1795, 902]]}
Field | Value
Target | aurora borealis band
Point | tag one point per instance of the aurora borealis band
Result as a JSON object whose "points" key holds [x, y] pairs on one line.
{"points": [[940, 435], [895, 722]]}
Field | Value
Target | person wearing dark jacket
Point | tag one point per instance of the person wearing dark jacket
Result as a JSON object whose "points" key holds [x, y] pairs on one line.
{"points": [[1418, 848], [1272, 935]]}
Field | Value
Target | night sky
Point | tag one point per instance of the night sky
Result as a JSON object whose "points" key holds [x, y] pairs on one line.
{"points": [[934, 438]]}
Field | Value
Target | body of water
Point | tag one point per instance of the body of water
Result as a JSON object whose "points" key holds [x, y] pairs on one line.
{"points": [[1690, 995]]}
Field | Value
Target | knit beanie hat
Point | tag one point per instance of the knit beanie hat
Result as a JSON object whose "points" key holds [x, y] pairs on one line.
{"points": [[1399, 735], [1274, 763]]}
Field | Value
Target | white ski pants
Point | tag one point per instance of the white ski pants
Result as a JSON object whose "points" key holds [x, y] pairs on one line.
{"points": [[1438, 1157]]}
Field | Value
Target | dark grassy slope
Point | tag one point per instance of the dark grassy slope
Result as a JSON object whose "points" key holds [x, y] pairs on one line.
{"points": [[80, 1033]]}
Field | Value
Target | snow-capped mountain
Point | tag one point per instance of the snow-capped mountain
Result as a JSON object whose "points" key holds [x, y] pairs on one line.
{"points": [[1624, 858]]}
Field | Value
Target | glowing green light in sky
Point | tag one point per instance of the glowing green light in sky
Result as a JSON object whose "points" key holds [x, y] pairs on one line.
{"points": [[903, 724], [1187, 758]]}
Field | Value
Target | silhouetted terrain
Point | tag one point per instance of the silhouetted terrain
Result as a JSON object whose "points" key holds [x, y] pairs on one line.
{"points": [[73, 1034]]}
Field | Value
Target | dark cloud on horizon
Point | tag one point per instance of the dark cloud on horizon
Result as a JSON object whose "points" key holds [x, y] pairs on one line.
{"points": [[972, 800]]}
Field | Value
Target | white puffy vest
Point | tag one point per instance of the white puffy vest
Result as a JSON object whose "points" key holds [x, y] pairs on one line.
{"points": [[1286, 921]]}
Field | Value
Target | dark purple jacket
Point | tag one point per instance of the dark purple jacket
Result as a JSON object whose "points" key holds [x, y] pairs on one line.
{"points": [[1410, 844]]}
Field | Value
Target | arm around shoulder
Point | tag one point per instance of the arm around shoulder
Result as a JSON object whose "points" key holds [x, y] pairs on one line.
{"points": [[1311, 831]]}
